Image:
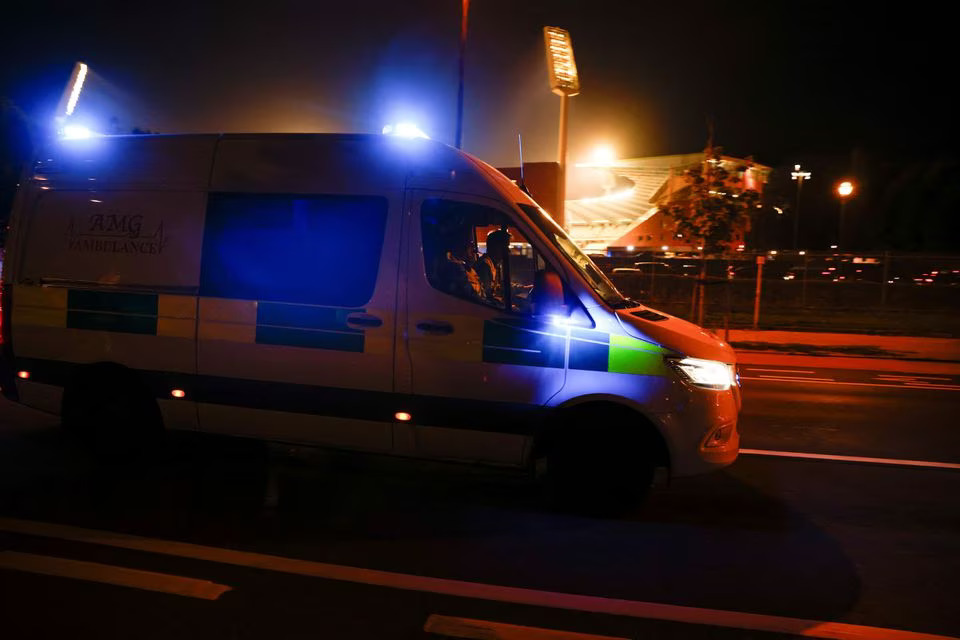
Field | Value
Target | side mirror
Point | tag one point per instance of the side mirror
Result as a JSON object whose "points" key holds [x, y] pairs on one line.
{"points": [[547, 294]]}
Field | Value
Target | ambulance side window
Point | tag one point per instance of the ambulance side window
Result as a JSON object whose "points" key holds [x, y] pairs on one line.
{"points": [[320, 250], [474, 252]]}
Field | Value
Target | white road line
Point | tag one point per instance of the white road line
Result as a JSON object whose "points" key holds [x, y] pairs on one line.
{"points": [[451, 627], [851, 384], [906, 377], [825, 456], [463, 589], [789, 378], [778, 370], [109, 574]]}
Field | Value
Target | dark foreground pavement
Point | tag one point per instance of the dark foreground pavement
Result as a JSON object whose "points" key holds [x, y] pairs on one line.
{"points": [[865, 544]]}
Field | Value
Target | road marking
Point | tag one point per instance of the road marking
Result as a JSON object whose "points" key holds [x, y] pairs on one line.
{"points": [[788, 378], [463, 589], [778, 370], [851, 384], [486, 630], [109, 574], [906, 377], [825, 456]]}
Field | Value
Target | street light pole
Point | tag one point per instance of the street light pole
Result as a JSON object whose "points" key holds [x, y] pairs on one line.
{"points": [[564, 81], [464, 10], [844, 190], [562, 160], [799, 176]]}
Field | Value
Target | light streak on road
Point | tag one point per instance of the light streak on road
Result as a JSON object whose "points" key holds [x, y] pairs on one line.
{"points": [[851, 384], [863, 459]]}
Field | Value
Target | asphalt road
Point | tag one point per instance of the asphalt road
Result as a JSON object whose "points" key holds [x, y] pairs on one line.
{"points": [[857, 543]]}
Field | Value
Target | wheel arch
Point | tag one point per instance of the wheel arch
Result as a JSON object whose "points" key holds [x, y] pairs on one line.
{"points": [[620, 416]]}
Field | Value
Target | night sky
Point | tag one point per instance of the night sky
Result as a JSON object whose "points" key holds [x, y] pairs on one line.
{"points": [[780, 79], [821, 83]]}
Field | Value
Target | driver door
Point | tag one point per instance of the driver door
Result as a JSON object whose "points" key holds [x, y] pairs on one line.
{"points": [[480, 365]]}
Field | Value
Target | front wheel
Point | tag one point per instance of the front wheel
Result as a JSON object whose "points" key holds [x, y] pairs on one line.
{"points": [[598, 471]]}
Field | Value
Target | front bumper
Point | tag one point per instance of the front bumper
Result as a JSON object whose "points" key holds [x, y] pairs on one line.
{"points": [[702, 433]]}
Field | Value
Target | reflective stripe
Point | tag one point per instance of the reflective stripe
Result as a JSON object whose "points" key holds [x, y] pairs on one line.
{"points": [[226, 319], [37, 317], [42, 297], [538, 344], [177, 328], [504, 344], [169, 306], [39, 306], [228, 331], [630, 355]]}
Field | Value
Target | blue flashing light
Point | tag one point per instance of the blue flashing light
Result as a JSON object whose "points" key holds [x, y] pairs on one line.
{"points": [[404, 130], [76, 132]]}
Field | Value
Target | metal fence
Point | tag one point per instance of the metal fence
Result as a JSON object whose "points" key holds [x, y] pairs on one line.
{"points": [[826, 291]]}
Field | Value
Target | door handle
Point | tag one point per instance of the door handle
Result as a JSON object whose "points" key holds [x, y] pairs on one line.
{"points": [[435, 327], [363, 320]]}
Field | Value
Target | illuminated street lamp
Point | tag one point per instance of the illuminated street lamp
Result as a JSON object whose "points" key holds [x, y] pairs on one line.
{"points": [[844, 191], [69, 98], [564, 81], [799, 176]]}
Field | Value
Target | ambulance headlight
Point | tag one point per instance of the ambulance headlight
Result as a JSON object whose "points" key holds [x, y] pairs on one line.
{"points": [[709, 374]]}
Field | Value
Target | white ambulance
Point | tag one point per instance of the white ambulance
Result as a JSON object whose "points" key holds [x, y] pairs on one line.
{"points": [[359, 292]]}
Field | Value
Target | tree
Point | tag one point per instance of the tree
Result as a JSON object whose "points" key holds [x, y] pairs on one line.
{"points": [[713, 210]]}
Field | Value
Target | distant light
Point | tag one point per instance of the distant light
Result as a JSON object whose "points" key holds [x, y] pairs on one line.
{"points": [[95, 200], [845, 188], [803, 253], [178, 393], [664, 248], [773, 252], [778, 210], [77, 87], [603, 154], [833, 246], [699, 248], [798, 175], [76, 132], [630, 247], [23, 374], [402, 416], [404, 130]]}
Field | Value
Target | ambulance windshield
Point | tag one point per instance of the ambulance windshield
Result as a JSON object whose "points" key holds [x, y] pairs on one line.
{"points": [[600, 283]]}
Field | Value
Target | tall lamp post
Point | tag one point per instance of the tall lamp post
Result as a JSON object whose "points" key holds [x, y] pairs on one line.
{"points": [[564, 81], [799, 176], [844, 191], [464, 12]]}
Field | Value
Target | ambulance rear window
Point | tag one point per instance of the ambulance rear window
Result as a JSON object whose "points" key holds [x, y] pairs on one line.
{"points": [[321, 250]]}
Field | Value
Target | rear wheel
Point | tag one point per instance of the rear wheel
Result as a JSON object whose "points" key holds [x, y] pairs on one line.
{"points": [[111, 413], [598, 464]]}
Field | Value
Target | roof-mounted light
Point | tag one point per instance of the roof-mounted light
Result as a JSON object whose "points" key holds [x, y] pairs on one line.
{"points": [[76, 132], [404, 130]]}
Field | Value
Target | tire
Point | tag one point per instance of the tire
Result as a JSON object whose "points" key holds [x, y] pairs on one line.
{"points": [[597, 469], [111, 414]]}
